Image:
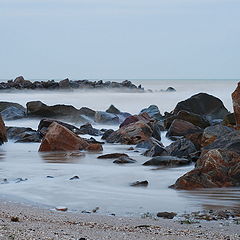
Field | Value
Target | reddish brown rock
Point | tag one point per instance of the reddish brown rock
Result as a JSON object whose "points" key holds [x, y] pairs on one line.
{"points": [[3, 132], [181, 128], [94, 147], [236, 105], [132, 133], [59, 138], [215, 168], [144, 117]]}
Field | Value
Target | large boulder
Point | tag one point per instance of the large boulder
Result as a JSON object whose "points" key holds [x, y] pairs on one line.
{"points": [[169, 161], [236, 104], [59, 138], [88, 129], [5, 105], [106, 118], [215, 168], [3, 132], [181, 148], [22, 134], [229, 120], [210, 134], [133, 133], [39, 109], [135, 118], [181, 128], [153, 111], [88, 112], [203, 104], [193, 118]]}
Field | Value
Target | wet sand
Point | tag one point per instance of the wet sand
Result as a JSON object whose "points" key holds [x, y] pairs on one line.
{"points": [[38, 223]]}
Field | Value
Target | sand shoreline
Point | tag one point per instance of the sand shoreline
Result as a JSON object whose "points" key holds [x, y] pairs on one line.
{"points": [[39, 223]]}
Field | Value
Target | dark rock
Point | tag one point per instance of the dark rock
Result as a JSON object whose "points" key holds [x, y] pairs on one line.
{"points": [[170, 89], [215, 168], [236, 104], [166, 215], [3, 132], [93, 140], [169, 161], [139, 184], [193, 118], [149, 143], [107, 134], [153, 112], [12, 113], [74, 178], [112, 155], [156, 150], [15, 219], [124, 160], [64, 83], [211, 133], [87, 112], [144, 117], [22, 134], [181, 148], [156, 127], [181, 128], [112, 109], [133, 133], [88, 129], [203, 104], [229, 120], [106, 118], [5, 105], [94, 147], [196, 139], [45, 123]]}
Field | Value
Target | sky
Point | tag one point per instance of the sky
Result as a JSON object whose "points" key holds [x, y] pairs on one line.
{"points": [[120, 39]]}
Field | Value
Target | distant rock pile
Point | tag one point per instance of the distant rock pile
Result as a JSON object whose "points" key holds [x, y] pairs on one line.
{"points": [[21, 83]]}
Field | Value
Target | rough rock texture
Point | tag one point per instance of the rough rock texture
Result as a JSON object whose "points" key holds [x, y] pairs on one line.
{"points": [[12, 113], [153, 111], [210, 134], [59, 138], [22, 134], [229, 120], [169, 161], [3, 132], [236, 104], [88, 129], [113, 109], [133, 133], [107, 133], [5, 105], [64, 83], [124, 160], [181, 148], [156, 150], [215, 168], [88, 112], [106, 118], [112, 155], [135, 118], [193, 118], [203, 104], [148, 144], [181, 128]]}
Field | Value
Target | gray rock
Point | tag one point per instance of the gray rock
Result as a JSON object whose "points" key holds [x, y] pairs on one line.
{"points": [[12, 113], [139, 184], [124, 160], [169, 161], [106, 118], [153, 112]]}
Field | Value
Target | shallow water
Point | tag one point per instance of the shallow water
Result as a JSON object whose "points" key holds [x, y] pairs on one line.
{"points": [[101, 183]]}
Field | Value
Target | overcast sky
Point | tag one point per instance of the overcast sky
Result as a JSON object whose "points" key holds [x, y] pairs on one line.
{"points": [[120, 39]]}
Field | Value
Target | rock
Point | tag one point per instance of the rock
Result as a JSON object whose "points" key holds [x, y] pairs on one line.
{"points": [[170, 89], [59, 138], [181, 128], [87, 112], [94, 147], [106, 118], [230, 141], [93, 140], [45, 123], [203, 104], [112, 109], [5, 105], [153, 112], [124, 160], [156, 127], [144, 117], [22, 134], [21, 83], [196, 139], [107, 134], [169, 161], [12, 113], [211, 133], [193, 118], [229, 120], [214, 169], [139, 184], [74, 178], [112, 155], [149, 143], [15, 219], [156, 150], [133, 133], [181, 148], [61, 209], [3, 132], [64, 83], [39, 109], [88, 129], [166, 215], [236, 104]]}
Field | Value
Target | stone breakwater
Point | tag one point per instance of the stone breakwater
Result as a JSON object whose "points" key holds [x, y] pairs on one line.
{"points": [[20, 83]]}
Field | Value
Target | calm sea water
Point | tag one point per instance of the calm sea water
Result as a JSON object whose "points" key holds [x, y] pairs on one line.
{"points": [[101, 183]]}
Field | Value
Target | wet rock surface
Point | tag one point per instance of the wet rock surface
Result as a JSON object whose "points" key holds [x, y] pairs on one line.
{"points": [[112, 155], [170, 161], [124, 160], [139, 184], [3, 132]]}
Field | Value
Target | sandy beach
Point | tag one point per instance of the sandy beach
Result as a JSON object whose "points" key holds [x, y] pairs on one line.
{"points": [[22, 222]]}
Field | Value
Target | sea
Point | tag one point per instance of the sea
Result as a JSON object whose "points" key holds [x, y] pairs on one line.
{"points": [[30, 177]]}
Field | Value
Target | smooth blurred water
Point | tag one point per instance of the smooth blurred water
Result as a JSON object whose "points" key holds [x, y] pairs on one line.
{"points": [[101, 183]]}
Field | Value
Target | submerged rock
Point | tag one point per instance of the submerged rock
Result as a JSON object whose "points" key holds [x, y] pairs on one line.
{"points": [[215, 168], [166, 215], [169, 161], [139, 184], [124, 160], [112, 155]]}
